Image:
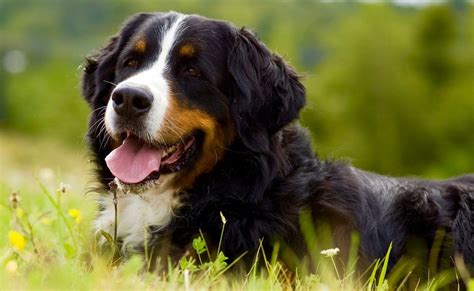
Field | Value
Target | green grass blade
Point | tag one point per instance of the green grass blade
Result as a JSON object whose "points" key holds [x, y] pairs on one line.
{"points": [[383, 272], [372, 276]]}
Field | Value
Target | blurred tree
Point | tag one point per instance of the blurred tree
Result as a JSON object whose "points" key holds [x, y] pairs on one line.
{"points": [[3, 82], [391, 111], [436, 34]]}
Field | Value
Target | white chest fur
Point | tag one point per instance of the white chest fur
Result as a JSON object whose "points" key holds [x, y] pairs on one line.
{"points": [[135, 213]]}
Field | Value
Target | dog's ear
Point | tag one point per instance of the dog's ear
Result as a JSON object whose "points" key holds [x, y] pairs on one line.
{"points": [[99, 69], [267, 93]]}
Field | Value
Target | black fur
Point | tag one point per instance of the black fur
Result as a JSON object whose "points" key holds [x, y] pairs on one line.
{"points": [[270, 174]]}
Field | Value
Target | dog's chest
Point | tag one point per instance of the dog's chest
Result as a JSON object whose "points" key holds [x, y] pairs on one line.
{"points": [[136, 214]]}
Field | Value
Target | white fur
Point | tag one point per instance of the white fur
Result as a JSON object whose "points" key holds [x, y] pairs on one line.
{"points": [[153, 79], [136, 212]]}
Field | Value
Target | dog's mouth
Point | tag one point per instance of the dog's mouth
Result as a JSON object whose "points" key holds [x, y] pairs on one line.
{"points": [[136, 162]]}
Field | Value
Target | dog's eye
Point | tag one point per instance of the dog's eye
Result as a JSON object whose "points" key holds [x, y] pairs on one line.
{"points": [[193, 72], [131, 63]]}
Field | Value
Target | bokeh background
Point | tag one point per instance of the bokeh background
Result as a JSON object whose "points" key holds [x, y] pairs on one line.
{"points": [[390, 85]]}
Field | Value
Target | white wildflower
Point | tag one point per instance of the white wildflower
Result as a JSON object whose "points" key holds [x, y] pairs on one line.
{"points": [[223, 218], [63, 187], [330, 252], [11, 267]]}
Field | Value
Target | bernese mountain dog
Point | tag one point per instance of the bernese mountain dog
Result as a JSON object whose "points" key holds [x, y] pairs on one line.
{"points": [[193, 118]]}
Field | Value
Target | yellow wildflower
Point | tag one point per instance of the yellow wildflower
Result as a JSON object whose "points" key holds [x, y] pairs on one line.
{"points": [[17, 240], [76, 214]]}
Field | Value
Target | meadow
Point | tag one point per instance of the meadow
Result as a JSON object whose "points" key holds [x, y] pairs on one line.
{"points": [[45, 219], [390, 88]]}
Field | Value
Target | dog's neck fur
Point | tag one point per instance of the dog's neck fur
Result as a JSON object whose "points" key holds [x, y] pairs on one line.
{"points": [[136, 213]]}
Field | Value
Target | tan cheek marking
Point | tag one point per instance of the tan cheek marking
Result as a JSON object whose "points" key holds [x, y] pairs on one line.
{"points": [[115, 143], [183, 121], [187, 50], [140, 46]]}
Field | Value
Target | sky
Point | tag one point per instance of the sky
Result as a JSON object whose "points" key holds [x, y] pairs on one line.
{"points": [[417, 2], [402, 2]]}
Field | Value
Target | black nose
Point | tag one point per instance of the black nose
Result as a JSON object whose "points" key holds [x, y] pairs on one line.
{"points": [[131, 102]]}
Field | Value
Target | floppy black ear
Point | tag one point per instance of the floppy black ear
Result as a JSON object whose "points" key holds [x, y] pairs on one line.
{"points": [[268, 93], [99, 69], [98, 72]]}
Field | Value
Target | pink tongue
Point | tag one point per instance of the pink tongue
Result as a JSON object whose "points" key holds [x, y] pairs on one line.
{"points": [[133, 161]]}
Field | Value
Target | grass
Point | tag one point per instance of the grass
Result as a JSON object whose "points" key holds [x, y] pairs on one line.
{"points": [[47, 243]]}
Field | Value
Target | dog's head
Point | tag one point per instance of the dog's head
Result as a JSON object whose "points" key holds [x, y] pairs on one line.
{"points": [[172, 92]]}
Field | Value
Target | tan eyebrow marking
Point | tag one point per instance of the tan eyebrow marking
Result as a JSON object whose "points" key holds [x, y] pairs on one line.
{"points": [[140, 46], [187, 50]]}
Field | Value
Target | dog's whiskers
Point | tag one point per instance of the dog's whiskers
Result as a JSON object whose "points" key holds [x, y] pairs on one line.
{"points": [[96, 125], [111, 83], [174, 127], [98, 110]]}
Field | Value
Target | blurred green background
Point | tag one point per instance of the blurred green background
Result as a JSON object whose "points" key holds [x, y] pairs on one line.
{"points": [[390, 87]]}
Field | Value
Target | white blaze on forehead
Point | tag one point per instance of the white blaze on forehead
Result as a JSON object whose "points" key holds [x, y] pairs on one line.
{"points": [[153, 79]]}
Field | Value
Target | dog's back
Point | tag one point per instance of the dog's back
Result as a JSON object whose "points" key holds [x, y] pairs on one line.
{"points": [[411, 212]]}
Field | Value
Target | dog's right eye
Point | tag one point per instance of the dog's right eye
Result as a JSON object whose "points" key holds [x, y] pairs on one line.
{"points": [[193, 72], [130, 63]]}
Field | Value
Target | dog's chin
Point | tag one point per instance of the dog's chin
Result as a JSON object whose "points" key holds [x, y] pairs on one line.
{"points": [[142, 187]]}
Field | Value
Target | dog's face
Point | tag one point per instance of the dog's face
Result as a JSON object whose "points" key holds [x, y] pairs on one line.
{"points": [[172, 92]]}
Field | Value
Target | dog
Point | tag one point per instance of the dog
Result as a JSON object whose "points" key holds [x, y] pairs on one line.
{"points": [[194, 122]]}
